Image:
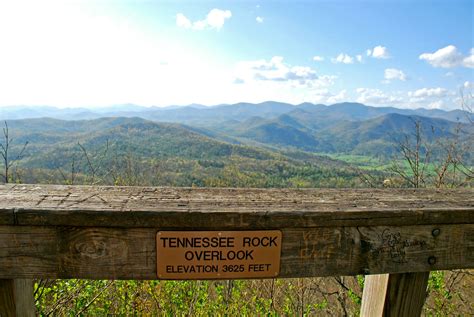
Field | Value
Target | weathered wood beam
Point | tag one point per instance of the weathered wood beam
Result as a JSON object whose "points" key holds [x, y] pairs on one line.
{"points": [[48, 205], [130, 253], [7, 217], [49, 231]]}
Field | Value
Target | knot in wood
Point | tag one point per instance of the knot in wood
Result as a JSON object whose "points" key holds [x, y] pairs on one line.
{"points": [[92, 249]]}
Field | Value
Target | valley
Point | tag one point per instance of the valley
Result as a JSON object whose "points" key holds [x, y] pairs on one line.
{"points": [[244, 145]]}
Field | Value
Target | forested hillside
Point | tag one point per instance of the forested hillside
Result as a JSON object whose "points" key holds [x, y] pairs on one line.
{"points": [[348, 128], [264, 145], [127, 150]]}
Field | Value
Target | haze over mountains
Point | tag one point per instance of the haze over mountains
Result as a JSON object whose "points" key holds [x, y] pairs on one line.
{"points": [[199, 114], [204, 145], [340, 128]]}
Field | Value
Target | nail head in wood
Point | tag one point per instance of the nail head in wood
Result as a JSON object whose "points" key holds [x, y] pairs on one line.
{"points": [[432, 260]]}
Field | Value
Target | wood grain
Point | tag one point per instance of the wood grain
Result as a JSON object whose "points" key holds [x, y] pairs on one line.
{"points": [[16, 298], [211, 208], [7, 217], [394, 294], [7, 298], [406, 294], [121, 253], [373, 297]]}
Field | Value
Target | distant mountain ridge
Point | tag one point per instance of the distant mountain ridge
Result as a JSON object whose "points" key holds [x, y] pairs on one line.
{"points": [[376, 136], [202, 115], [347, 128]]}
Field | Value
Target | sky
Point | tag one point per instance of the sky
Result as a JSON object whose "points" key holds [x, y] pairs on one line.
{"points": [[402, 53]]}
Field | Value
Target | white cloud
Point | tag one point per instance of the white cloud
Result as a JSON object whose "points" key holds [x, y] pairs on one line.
{"points": [[215, 19], [379, 51], [259, 19], [320, 95], [183, 21], [343, 58], [438, 104], [469, 60], [372, 96], [445, 57], [318, 58], [428, 92], [324, 81], [448, 57], [323, 95], [431, 98], [277, 71], [468, 85], [341, 96], [393, 73]]}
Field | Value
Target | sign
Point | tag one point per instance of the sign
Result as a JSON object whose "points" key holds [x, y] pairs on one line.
{"points": [[218, 254]]}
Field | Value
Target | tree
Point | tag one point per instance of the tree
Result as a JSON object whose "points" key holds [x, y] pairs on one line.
{"points": [[443, 162], [9, 163], [467, 98], [466, 103], [455, 167], [416, 154], [95, 166]]}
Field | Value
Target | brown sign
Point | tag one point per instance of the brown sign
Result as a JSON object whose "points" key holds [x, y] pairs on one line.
{"points": [[218, 254]]}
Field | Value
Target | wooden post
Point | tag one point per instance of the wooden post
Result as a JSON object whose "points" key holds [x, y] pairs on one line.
{"points": [[394, 294], [16, 298], [373, 298]]}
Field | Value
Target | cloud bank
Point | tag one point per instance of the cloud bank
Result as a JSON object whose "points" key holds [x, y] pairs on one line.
{"points": [[215, 19], [449, 57], [394, 74]]}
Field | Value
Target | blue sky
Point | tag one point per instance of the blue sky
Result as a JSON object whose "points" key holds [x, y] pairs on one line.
{"points": [[96, 53]]}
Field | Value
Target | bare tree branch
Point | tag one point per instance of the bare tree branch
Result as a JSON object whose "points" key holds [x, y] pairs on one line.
{"points": [[8, 163]]}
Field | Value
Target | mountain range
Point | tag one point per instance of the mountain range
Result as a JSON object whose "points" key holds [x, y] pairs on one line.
{"points": [[199, 114], [198, 132]]}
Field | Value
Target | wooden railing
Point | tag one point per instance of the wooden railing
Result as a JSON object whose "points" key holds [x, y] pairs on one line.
{"points": [[111, 233]]}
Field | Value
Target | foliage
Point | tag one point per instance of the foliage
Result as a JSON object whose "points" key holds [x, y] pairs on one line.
{"points": [[131, 151], [450, 293], [305, 297]]}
